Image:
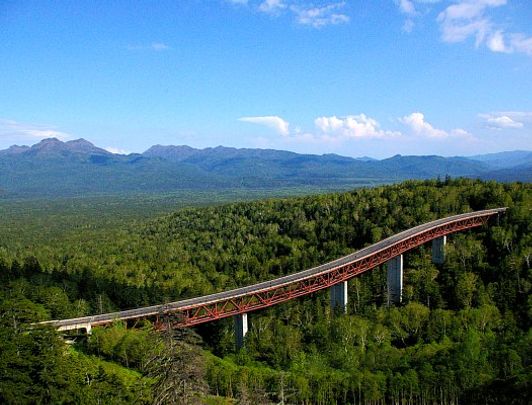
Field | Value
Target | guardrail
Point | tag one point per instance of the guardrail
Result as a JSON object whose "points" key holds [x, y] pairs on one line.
{"points": [[211, 307]]}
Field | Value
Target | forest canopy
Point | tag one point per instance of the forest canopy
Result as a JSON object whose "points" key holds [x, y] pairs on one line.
{"points": [[462, 333]]}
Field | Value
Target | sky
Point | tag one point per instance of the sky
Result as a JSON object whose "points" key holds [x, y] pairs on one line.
{"points": [[357, 78]]}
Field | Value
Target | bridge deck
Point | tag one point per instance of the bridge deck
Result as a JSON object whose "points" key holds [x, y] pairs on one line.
{"points": [[177, 306]]}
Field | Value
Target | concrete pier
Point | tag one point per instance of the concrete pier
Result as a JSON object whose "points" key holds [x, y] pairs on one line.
{"points": [[338, 294], [438, 249], [241, 329], [395, 280]]}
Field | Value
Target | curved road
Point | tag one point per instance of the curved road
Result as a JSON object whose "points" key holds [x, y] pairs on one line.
{"points": [[87, 322]]}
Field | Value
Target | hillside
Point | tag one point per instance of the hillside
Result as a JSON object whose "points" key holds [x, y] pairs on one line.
{"points": [[504, 160], [462, 334], [52, 168]]}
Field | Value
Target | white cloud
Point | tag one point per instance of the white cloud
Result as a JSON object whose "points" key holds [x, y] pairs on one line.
{"points": [[469, 9], [520, 43], [460, 133], [117, 151], [505, 120], [318, 17], [413, 9], [352, 126], [468, 18], [328, 129], [420, 127], [406, 7], [523, 116], [14, 130], [335, 130], [271, 121], [304, 12], [416, 122], [496, 42], [465, 19], [272, 6], [154, 46]]}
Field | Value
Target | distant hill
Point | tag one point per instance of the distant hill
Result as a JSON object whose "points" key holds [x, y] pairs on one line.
{"points": [[53, 148], [283, 164], [503, 160], [421, 167], [521, 173], [55, 168]]}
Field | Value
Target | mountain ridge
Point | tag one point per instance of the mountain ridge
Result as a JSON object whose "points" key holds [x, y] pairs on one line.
{"points": [[52, 167]]}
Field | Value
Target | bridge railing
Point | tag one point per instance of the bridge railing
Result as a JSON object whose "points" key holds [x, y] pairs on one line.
{"points": [[262, 295]]}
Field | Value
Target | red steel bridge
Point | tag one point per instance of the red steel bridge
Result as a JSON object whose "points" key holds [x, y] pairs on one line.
{"points": [[332, 275]]}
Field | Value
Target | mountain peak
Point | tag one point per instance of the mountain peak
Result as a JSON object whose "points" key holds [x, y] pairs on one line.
{"points": [[15, 150], [80, 141], [48, 141], [83, 146], [47, 144], [172, 152], [53, 148]]}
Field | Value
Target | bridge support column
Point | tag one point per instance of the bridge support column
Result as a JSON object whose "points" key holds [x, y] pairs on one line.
{"points": [[395, 280], [338, 294], [241, 329], [438, 249]]}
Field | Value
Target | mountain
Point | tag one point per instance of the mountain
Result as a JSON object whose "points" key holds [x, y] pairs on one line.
{"points": [[283, 164], [55, 168], [174, 153], [419, 167], [504, 160], [54, 148], [521, 172]]}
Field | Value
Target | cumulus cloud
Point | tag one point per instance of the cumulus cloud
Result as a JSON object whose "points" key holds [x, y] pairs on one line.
{"points": [[507, 119], [271, 121], [339, 129], [327, 129], [318, 17], [504, 122], [21, 132], [352, 126], [419, 126], [416, 122]]}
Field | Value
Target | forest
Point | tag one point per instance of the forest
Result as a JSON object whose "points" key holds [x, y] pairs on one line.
{"points": [[461, 336]]}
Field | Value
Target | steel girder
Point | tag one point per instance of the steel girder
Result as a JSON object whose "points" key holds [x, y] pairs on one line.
{"points": [[201, 313]]}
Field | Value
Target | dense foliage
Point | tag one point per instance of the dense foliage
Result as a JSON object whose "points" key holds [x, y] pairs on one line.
{"points": [[462, 334]]}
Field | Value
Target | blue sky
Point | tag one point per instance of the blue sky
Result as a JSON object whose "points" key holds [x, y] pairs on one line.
{"points": [[357, 78]]}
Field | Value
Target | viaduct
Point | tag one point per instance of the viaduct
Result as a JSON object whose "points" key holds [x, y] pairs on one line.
{"points": [[333, 275]]}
